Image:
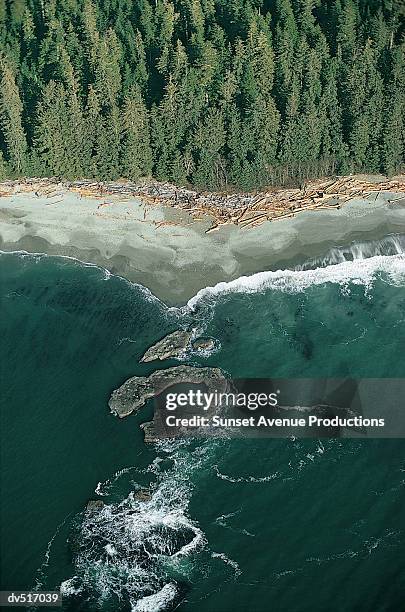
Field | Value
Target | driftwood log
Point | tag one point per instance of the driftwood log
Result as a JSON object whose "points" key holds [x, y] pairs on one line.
{"points": [[244, 209]]}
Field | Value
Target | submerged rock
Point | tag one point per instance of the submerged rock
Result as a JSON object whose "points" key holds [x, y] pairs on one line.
{"points": [[171, 345], [134, 393], [143, 495], [94, 505], [149, 433]]}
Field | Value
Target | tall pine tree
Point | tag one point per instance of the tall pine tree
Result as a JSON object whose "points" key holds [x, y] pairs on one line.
{"points": [[11, 109], [136, 156]]}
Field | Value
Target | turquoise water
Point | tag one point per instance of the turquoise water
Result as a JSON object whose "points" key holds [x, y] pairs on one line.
{"points": [[246, 525]]}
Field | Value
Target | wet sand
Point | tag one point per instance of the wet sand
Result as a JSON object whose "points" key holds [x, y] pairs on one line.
{"points": [[176, 260]]}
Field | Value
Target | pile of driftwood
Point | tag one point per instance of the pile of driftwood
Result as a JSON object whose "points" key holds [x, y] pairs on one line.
{"points": [[243, 209]]}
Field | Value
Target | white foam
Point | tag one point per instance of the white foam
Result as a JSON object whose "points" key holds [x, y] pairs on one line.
{"points": [[228, 561], [390, 245], [103, 488], [232, 479], [41, 572], [358, 272], [157, 601], [142, 539], [68, 588], [222, 521], [195, 543], [127, 339]]}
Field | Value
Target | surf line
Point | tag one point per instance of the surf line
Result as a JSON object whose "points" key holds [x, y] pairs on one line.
{"points": [[357, 271]]}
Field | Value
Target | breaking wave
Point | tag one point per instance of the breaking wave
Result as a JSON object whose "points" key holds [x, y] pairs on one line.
{"points": [[158, 601], [142, 549], [390, 245], [359, 265]]}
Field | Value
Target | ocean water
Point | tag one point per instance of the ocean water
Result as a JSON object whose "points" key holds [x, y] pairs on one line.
{"points": [[241, 525]]}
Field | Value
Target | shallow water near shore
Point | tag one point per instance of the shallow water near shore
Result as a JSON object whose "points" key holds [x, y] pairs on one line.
{"points": [[232, 524], [177, 260]]}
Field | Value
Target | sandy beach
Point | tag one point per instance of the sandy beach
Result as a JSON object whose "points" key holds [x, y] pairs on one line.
{"points": [[175, 260]]}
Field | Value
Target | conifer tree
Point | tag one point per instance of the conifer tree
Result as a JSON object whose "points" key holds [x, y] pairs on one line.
{"points": [[167, 131], [108, 146], [288, 146], [285, 41], [75, 125], [140, 76], [94, 127], [136, 157], [17, 10], [107, 69], [256, 77], [364, 103], [292, 88], [209, 140], [4, 172], [91, 34], [165, 20], [311, 123], [3, 16], [346, 28], [393, 143], [333, 150], [51, 130], [11, 109]]}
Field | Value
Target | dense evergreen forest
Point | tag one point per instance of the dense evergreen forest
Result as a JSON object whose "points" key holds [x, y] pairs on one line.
{"points": [[216, 93]]}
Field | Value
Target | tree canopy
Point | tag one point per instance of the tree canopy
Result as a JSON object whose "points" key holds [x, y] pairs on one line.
{"points": [[215, 93]]}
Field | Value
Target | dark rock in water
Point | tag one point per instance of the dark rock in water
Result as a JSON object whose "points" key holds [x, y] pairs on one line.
{"points": [[171, 345], [143, 495], [149, 432], [134, 393], [94, 505], [203, 344]]}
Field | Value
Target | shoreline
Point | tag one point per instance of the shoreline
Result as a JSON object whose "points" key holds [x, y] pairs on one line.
{"points": [[243, 209], [169, 252]]}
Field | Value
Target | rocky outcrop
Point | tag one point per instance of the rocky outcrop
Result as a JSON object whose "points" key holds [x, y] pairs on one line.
{"points": [[174, 344], [203, 344], [134, 393], [143, 495], [171, 345], [149, 433], [94, 505]]}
